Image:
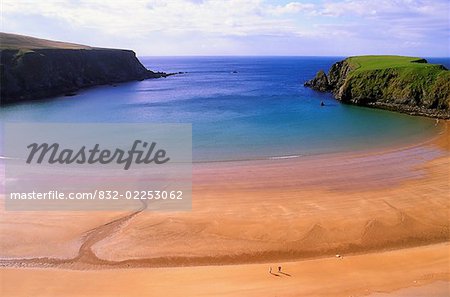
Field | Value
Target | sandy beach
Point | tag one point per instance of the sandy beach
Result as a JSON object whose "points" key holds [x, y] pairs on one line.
{"points": [[384, 212]]}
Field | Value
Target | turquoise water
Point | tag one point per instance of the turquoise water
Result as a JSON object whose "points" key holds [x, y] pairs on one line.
{"points": [[240, 108]]}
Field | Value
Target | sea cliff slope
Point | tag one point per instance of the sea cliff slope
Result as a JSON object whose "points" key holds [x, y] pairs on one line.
{"points": [[404, 84], [33, 68]]}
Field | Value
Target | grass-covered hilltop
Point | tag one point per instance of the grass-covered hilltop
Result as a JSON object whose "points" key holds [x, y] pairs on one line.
{"points": [[404, 84], [33, 68]]}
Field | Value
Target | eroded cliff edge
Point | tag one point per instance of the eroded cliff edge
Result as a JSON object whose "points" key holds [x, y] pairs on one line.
{"points": [[404, 84], [34, 68]]}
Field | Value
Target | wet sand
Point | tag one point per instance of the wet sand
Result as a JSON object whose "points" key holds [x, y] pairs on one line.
{"points": [[385, 212], [386, 272]]}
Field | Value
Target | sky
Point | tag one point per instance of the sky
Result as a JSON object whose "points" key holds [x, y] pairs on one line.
{"points": [[239, 27]]}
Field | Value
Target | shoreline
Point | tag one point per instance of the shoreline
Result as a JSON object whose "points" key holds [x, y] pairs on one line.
{"points": [[425, 140]]}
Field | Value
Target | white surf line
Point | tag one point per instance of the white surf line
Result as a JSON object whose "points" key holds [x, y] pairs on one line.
{"points": [[285, 157], [8, 158]]}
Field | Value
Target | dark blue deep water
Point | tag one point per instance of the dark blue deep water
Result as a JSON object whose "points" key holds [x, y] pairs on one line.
{"points": [[240, 108]]}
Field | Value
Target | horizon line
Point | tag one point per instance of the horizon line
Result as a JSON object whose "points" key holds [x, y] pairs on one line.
{"points": [[287, 56]]}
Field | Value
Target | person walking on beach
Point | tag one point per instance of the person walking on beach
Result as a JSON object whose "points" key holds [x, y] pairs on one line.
{"points": [[279, 268], [270, 269]]}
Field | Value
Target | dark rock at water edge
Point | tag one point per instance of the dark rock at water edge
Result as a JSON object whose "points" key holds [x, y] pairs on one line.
{"points": [[319, 82]]}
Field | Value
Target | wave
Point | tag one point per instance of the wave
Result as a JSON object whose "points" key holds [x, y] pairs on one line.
{"points": [[285, 157]]}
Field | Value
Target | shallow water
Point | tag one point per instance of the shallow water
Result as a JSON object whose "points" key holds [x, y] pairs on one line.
{"points": [[239, 107]]}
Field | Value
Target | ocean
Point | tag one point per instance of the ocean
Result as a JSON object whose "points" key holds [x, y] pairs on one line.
{"points": [[240, 108]]}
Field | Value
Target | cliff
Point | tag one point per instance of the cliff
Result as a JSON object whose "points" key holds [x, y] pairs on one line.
{"points": [[33, 68], [403, 84]]}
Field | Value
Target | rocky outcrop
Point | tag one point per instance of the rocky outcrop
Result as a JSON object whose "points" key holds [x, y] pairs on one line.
{"points": [[39, 73], [406, 88], [319, 82]]}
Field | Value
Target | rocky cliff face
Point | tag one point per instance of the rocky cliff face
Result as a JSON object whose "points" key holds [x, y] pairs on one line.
{"points": [[28, 74], [411, 90]]}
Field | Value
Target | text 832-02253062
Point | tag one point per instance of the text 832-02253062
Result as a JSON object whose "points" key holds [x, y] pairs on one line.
{"points": [[100, 194], [142, 195]]}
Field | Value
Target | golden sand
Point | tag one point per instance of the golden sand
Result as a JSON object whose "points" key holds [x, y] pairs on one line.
{"points": [[385, 212], [350, 276]]}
